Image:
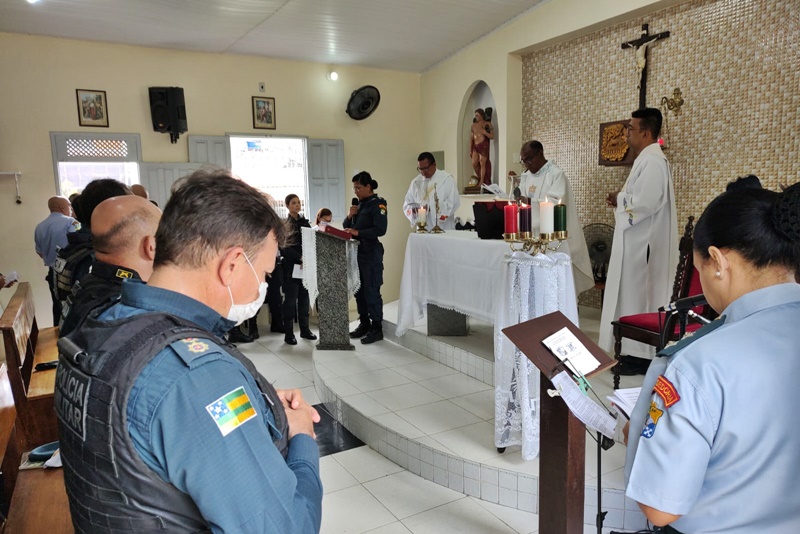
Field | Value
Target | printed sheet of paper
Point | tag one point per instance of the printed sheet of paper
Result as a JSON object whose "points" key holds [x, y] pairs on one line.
{"points": [[625, 399], [590, 413], [567, 348]]}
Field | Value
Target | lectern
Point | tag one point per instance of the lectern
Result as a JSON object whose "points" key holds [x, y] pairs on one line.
{"points": [[332, 303]]}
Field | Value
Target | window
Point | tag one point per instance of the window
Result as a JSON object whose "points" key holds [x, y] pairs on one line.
{"points": [[274, 165], [79, 158]]}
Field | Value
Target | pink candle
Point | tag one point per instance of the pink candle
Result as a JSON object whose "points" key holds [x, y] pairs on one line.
{"points": [[510, 214]]}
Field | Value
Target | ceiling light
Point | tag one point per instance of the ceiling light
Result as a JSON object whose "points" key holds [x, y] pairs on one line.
{"points": [[332, 76], [32, 1]]}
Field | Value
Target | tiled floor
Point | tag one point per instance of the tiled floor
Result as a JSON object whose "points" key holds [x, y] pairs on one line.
{"points": [[435, 406]]}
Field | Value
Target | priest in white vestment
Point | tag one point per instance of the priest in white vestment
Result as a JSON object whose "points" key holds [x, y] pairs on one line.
{"points": [[544, 179], [644, 255], [431, 180]]}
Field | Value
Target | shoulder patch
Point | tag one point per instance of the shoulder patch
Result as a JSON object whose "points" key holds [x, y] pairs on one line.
{"points": [[122, 273], [652, 420], [666, 390], [231, 410], [192, 348]]}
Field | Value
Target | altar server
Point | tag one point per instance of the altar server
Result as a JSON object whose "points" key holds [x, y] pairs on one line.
{"points": [[430, 184], [644, 254]]}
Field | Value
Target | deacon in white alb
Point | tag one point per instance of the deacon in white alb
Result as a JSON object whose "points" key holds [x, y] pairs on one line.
{"points": [[421, 194]]}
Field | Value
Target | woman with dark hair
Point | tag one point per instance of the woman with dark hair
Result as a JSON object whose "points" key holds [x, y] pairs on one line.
{"points": [[324, 216], [295, 296], [714, 448], [367, 222]]}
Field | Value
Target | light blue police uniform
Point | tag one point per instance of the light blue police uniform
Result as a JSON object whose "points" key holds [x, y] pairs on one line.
{"points": [[236, 476], [51, 234], [720, 442]]}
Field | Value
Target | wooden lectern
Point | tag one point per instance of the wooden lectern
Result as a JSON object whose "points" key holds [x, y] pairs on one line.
{"points": [[563, 443]]}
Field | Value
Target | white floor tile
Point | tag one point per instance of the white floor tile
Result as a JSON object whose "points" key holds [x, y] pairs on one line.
{"points": [[326, 356], [399, 357], [310, 395], [456, 385], [301, 362], [342, 387], [480, 403], [424, 370], [375, 380], [365, 404], [463, 516], [353, 510], [366, 464], [433, 444], [271, 366], [438, 417], [405, 396], [291, 380], [521, 522], [352, 366], [391, 528], [512, 460], [474, 442], [405, 494], [392, 421], [334, 476]]}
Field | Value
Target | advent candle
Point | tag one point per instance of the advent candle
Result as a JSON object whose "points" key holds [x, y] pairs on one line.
{"points": [[422, 214], [545, 217], [510, 215], [524, 218], [560, 211]]}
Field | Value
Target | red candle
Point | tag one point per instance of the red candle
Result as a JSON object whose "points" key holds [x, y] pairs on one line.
{"points": [[510, 214], [524, 218]]}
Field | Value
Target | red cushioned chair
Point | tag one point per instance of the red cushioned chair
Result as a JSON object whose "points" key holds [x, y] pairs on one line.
{"points": [[658, 328]]}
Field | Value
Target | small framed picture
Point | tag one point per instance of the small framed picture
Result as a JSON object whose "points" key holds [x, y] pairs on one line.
{"points": [[92, 108], [264, 113]]}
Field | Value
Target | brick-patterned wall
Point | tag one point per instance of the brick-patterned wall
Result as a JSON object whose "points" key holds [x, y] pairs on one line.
{"points": [[736, 62]]}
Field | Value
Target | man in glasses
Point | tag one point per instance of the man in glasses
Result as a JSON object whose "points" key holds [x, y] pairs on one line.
{"points": [[644, 254], [430, 184]]}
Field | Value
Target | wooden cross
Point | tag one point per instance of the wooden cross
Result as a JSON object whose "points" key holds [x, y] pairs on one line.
{"points": [[641, 45]]}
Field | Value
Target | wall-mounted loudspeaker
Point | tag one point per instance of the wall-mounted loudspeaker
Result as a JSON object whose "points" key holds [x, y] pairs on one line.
{"points": [[168, 111]]}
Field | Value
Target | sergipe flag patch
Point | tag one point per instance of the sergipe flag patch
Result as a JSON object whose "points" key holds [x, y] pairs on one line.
{"points": [[231, 410], [666, 391]]}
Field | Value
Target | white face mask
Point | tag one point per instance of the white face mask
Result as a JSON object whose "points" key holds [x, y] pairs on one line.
{"points": [[239, 313]]}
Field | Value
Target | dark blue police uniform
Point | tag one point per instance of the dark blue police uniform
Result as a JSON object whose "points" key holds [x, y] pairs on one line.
{"points": [[371, 223]]}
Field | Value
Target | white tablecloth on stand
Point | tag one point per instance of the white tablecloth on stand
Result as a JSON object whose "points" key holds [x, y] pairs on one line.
{"points": [[531, 286], [456, 270]]}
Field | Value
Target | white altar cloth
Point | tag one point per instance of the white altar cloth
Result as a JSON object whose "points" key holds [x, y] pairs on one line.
{"points": [[531, 286], [457, 271]]}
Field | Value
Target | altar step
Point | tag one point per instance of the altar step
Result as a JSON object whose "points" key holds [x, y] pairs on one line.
{"points": [[427, 404]]}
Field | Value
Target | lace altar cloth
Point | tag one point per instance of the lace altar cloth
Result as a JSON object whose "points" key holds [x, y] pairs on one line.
{"points": [[310, 265], [531, 286]]}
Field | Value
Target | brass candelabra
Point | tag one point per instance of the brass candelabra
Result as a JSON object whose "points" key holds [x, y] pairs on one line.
{"points": [[526, 242], [436, 229]]}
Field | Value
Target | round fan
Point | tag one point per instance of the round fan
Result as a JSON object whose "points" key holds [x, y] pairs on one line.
{"points": [[363, 102], [598, 240]]}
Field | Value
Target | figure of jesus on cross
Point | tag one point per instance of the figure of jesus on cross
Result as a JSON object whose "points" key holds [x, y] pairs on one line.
{"points": [[641, 45]]}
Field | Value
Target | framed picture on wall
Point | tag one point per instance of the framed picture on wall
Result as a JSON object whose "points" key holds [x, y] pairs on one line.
{"points": [[264, 113], [92, 108]]}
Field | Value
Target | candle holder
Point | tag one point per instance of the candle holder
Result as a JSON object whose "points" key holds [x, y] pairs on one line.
{"points": [[436, 229], [535, 245], [421, 224]]}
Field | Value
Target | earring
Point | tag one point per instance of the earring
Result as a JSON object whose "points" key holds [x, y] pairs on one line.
{"points": [[718, 274]]}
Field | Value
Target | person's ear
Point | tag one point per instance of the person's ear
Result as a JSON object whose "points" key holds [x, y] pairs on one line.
{"points": [[227, 264], [721, 261], [149, 247]]}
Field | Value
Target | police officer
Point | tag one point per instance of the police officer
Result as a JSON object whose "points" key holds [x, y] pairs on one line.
{"points": [[367, 222], [716, 449], [163, 425]]}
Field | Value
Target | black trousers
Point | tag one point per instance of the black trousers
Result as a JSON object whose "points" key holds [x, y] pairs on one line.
{"points": [[51, 284], [274, 299], [295, 300], [369, 301]]}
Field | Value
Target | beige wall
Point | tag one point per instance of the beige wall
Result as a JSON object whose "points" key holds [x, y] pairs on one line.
{"points": [[38, 82]]}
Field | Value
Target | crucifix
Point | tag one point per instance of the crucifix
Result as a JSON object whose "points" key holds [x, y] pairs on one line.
{"points": [[641, 45]]}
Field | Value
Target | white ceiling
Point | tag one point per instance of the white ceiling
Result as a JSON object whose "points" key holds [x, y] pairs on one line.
{"points": [[405, 35]]}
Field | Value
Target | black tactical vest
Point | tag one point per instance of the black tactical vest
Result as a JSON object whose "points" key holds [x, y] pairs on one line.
{"points": [[72, 262], [110, 488]]}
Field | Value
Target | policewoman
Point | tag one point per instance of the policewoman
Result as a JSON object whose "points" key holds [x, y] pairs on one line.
{"points": [[714, 446], [367, 222]]}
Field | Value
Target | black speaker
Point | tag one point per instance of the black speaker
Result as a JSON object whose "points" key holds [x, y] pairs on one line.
{"points": [[168, 111]]}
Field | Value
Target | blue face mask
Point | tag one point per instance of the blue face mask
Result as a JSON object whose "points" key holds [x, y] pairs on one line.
{"points": [[239, 313]]}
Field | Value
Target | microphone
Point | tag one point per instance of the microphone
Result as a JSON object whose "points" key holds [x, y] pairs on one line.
{"points": [[685, 303], [354, 202]]}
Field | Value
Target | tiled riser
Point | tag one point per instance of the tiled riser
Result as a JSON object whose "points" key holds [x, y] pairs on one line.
{"points": [[486, 482]]}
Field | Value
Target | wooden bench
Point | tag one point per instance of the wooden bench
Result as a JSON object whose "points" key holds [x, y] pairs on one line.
{"points": [[25, 347], [38, 500]]}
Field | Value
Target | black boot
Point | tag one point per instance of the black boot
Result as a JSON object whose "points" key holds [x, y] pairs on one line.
{"points": [[361, 331], [289, 339], [235, 335], [252, 327], [307, 334], [375, 333], [276, 327]]}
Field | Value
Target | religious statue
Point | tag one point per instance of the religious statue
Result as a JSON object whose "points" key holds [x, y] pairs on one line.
{"points": [[479, 145]]}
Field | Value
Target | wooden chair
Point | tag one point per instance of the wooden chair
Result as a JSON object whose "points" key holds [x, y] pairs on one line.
{"points": [[658, 328], [25, 347]]}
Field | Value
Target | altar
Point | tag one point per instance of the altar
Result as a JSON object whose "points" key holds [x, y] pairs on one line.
{"points": [[483, 279]]}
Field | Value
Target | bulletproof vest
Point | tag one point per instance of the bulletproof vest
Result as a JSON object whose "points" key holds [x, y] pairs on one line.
{"points": [[110, 488], [71, 263], [97, 290]]}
